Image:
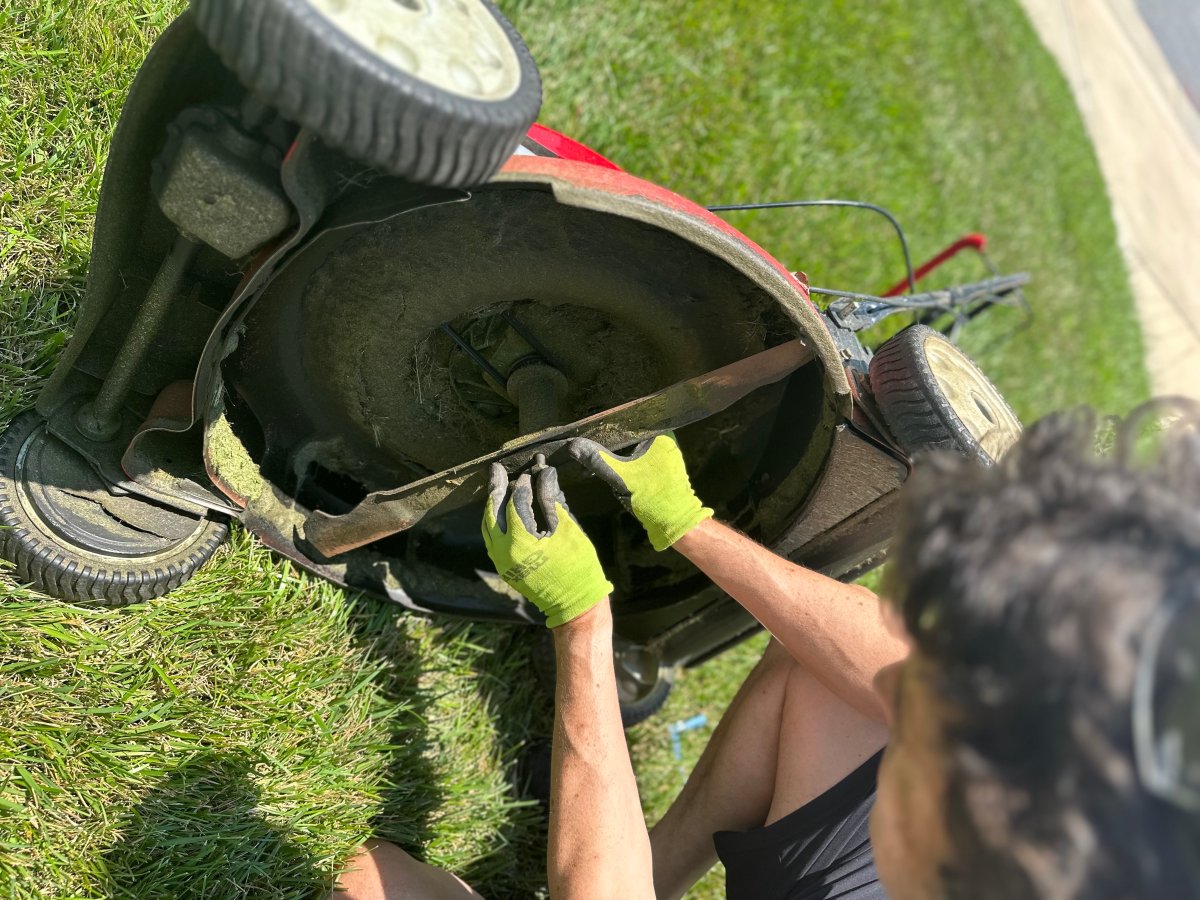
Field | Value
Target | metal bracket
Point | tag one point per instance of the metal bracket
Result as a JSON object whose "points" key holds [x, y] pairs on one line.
{"points": [[856, 312]]}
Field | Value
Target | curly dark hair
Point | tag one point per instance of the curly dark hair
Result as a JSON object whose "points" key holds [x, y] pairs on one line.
{"points": [[1028, 585]]}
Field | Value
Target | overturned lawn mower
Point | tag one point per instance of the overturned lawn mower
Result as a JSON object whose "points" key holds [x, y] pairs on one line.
{"points": [[337, 272]]}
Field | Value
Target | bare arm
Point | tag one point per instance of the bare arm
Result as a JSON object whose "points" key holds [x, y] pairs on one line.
{"points": [[599, 847], [835, 631]]}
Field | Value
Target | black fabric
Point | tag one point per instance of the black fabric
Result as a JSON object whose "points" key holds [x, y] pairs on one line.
{"points": [[821, 851]]}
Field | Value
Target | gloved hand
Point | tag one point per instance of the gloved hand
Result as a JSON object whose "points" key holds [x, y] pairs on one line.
{"points": [[653, 484], [556, 569]]}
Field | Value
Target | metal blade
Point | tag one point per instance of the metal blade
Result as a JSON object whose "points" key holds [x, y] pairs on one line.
{"points": [[385, 513]]}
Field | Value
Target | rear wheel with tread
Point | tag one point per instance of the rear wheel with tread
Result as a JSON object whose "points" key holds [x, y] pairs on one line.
{"points": [[71, 538], [639, 709], [643, 682]]}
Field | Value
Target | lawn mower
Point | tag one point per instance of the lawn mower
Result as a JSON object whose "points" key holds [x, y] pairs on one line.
{"points": [[338, 271]]}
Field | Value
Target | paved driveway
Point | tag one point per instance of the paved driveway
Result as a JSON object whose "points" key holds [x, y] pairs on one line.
{"points": [[1146, 129], [1175, 25]]}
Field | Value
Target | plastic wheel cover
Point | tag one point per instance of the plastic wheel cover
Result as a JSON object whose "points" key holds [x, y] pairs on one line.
{"points": [[973, 398], [455, 45]]}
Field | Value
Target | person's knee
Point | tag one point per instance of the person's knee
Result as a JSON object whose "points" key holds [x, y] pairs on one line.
{"points": [[380, 870], [772, 672], [362, 878], [777, 658]]}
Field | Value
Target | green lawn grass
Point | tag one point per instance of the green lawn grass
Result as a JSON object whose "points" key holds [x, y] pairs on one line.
{"points": [[238, 737]]}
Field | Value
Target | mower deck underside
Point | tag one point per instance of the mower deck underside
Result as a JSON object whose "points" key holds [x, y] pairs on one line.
{"points": [[350, 377]]}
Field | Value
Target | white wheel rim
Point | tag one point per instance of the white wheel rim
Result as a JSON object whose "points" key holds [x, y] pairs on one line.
{"points": [[973, 398], [454, 45]]}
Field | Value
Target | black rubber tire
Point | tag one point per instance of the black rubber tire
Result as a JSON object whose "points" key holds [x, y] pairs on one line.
{"points": [[643, 708], [77, 574], [298, 61], [632, 712], [914, 403]]}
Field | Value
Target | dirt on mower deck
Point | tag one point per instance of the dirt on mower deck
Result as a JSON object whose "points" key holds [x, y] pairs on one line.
{"points": [[605, 367], [621, 309]]}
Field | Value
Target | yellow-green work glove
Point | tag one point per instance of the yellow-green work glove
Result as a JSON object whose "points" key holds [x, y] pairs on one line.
{"points": [[653, 484], [554, 564]]}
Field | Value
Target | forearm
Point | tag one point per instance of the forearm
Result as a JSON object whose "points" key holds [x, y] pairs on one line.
{"points": [[835, 630], [598, 845]]}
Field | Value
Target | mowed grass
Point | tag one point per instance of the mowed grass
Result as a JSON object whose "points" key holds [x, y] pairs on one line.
{"points": [[240, 736]]}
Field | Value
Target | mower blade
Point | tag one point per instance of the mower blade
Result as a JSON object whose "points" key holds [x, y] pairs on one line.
{"points": [[384, 513]]}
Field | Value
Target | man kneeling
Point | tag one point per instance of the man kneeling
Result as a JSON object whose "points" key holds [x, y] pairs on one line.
{"points": [[1042, 734]]}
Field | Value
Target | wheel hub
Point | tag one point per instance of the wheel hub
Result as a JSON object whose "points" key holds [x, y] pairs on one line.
{"points": [[975, 400], [638, 670], [413, 35], [502, 371], [60, 490]]}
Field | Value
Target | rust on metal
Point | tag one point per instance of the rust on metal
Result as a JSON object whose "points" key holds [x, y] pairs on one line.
{"points": [[385, 513]]}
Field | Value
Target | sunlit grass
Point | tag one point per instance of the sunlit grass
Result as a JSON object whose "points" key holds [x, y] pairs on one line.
{"points": [[238, 737]]}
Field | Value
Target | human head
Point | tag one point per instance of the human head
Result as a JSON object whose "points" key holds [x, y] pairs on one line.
{"points": [[1026, 590]]}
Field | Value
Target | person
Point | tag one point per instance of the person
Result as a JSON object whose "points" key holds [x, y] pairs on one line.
{"points": [[1031, 594], [1026, 593]]}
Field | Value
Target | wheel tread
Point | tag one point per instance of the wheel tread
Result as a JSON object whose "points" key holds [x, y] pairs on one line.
{"points": [[392, 121], [56, 571], [912, 405]]}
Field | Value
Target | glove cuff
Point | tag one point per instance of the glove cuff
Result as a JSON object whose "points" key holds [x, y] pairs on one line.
{"points": [[563, 613], [686, 514]]}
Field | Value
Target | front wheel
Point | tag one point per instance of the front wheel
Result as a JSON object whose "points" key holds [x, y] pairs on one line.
{"points": [[933, 397]]}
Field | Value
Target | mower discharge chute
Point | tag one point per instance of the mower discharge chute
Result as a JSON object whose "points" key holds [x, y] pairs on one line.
{"points": [[316, 306]]}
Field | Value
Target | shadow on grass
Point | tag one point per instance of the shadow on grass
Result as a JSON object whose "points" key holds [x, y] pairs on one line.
{"points": [[523, 710], [512, 864], [411, 790], [200, 834]]}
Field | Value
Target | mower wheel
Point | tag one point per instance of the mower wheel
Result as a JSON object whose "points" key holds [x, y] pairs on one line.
{"points": [[437, 91], [643, 681], [646, 705], [74, 539], [933, 397]]}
